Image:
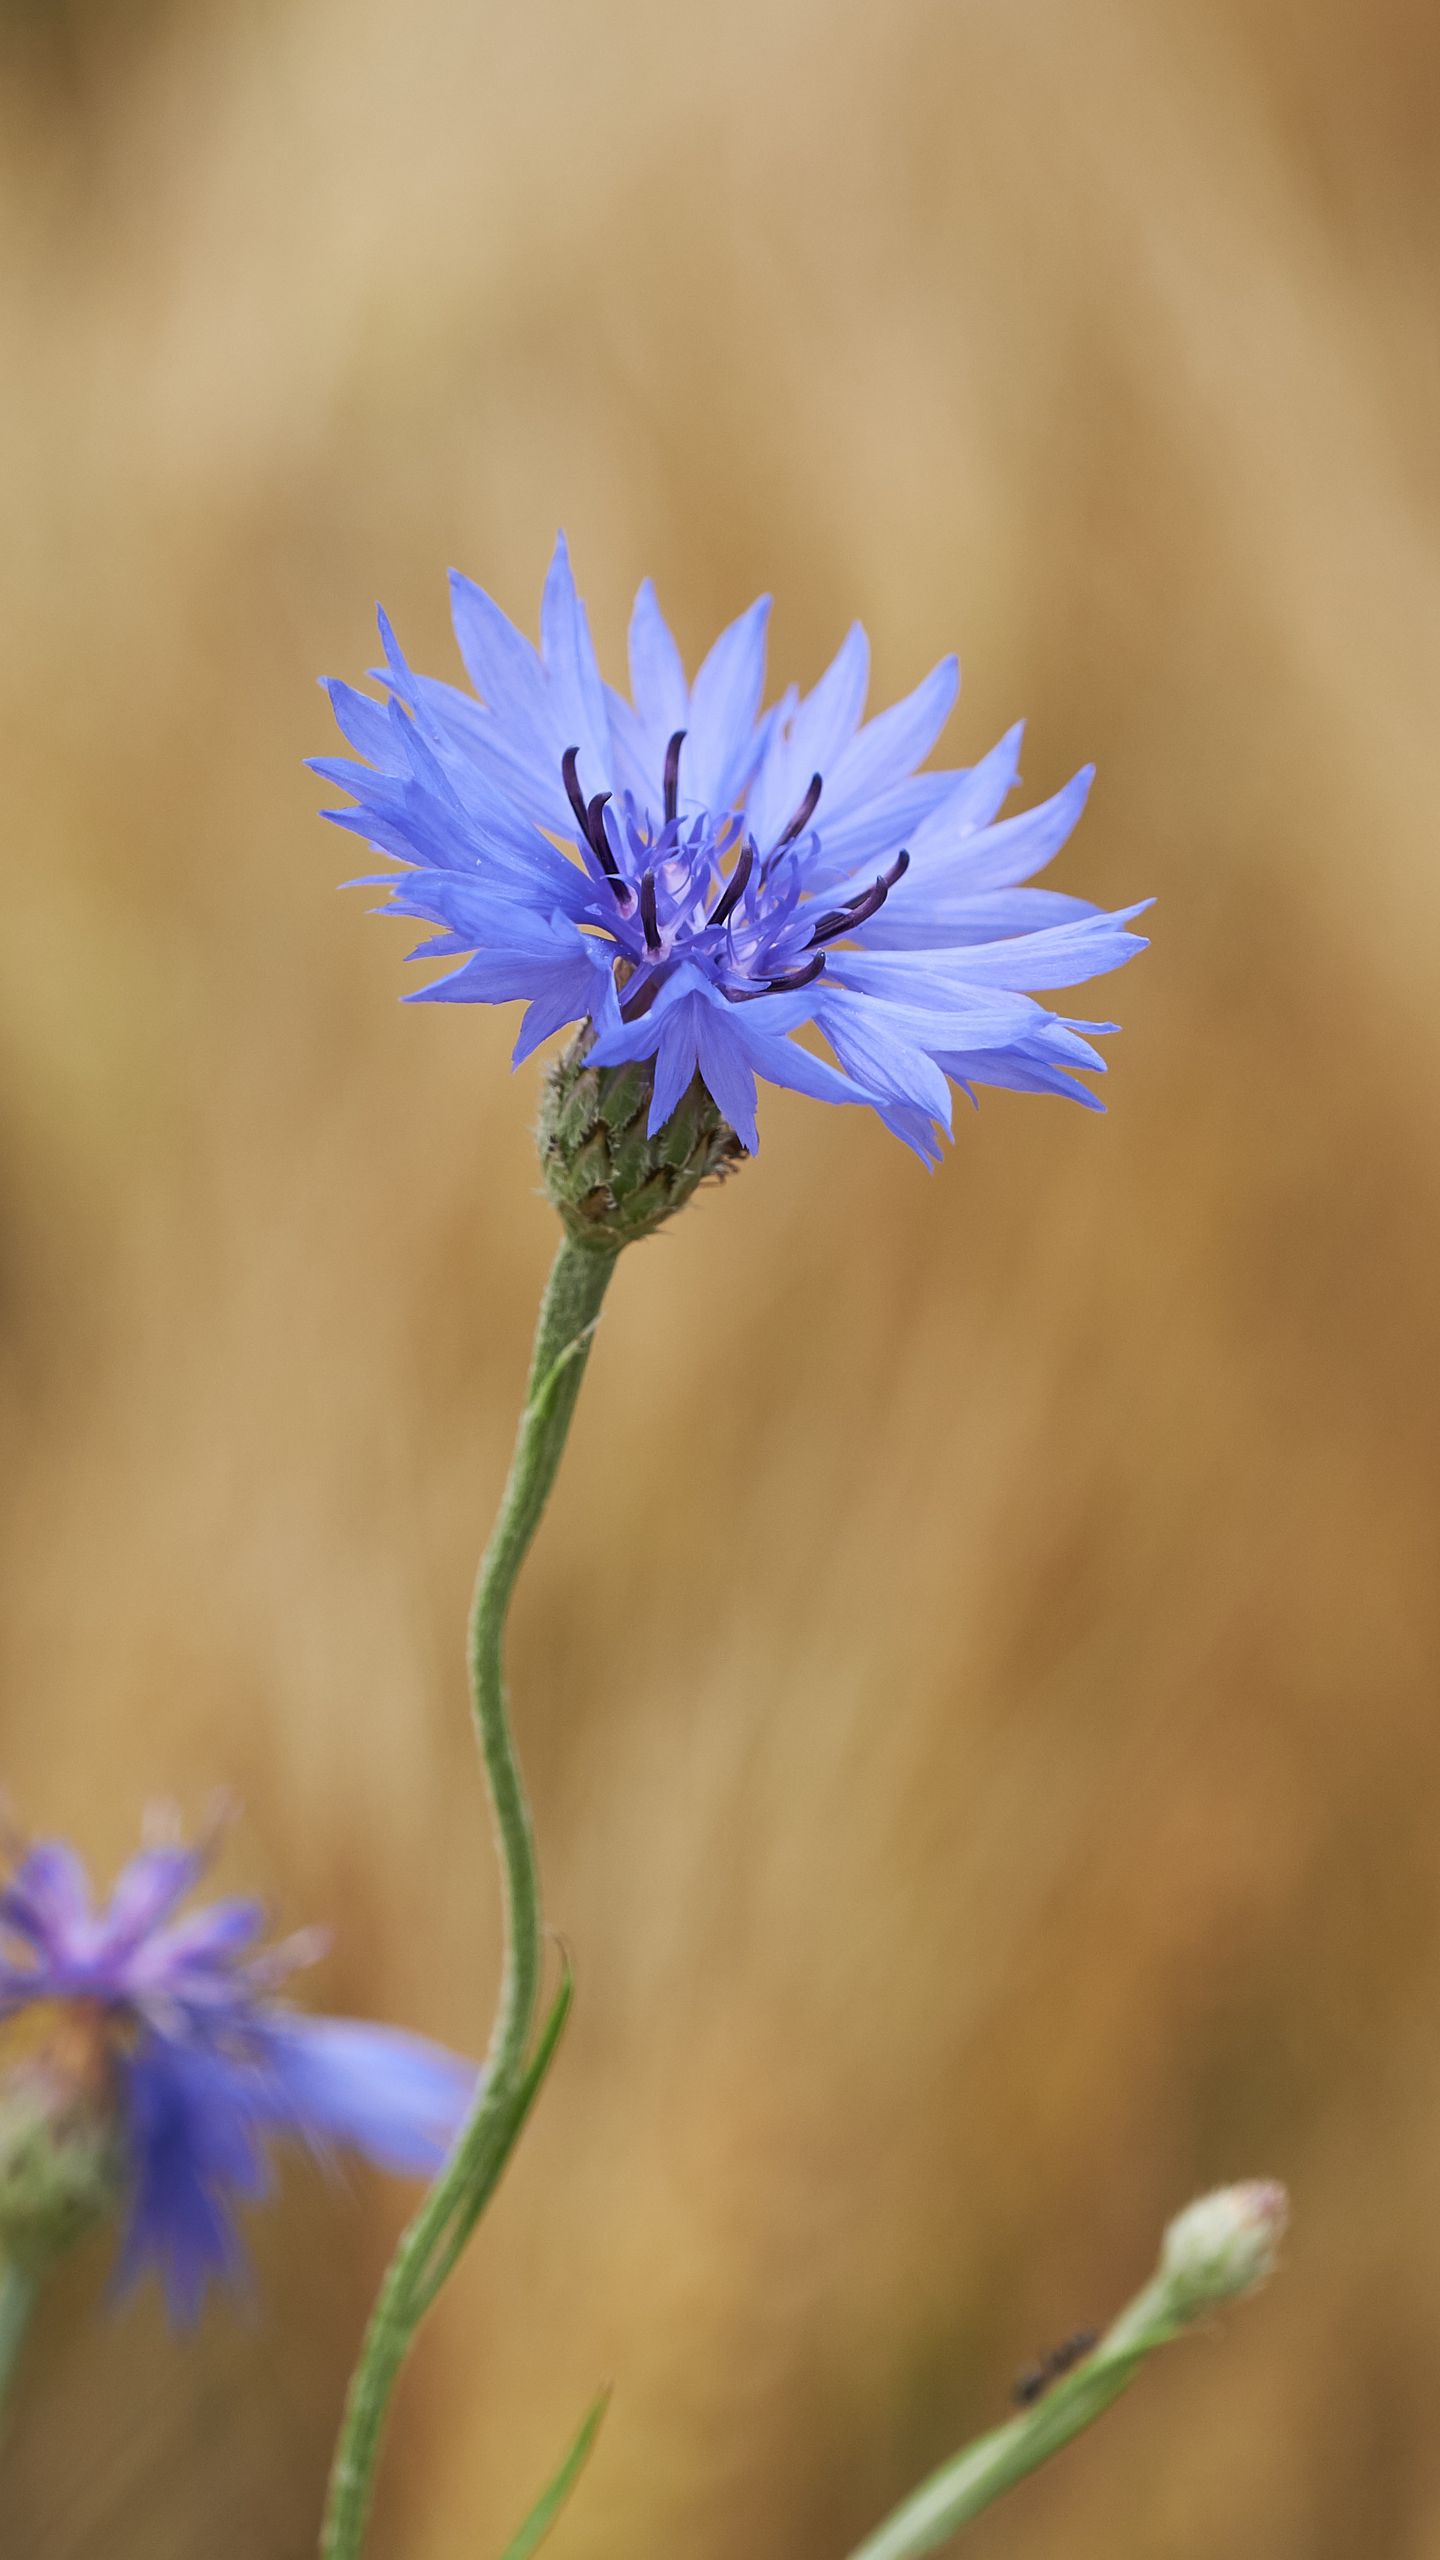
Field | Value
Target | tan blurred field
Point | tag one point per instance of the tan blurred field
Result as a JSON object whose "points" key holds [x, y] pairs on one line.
{"points": [[979, 1679]]}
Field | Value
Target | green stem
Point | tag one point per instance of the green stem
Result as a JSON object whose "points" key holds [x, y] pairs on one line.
{"points": [[963, 2487], [17, 2301], [427, 2249], [1223, 2246]]}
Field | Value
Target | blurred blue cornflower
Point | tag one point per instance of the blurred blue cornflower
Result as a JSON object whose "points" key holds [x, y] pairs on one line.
{"points": [[700, 880], [168, 2034]]}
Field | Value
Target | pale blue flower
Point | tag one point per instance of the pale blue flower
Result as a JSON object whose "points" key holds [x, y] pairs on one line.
{"points": [[702, 880], [174, 2030]]}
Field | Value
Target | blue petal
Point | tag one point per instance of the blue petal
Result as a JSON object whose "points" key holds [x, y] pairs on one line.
{"points": [[667, 1032], [577, 695], [431, 784], [637, 755], [781, 1061], [396, 2098], [1060, 955], [657, 671], [47, 1901], [521, 758], [914, 1129], [871, 1042], [216, 1935], [676, 1060], [728, 1075], [995, 857], [192, 2155], [490, 911], [521, 958], [889, 747], [724, 704], [499, 661], [146, 1893], [360, 719], [1016, 1073], [569, 994], [691, 1030], [930, 988], [969, 803], [822, 727], [998, 913], [872, 832]]}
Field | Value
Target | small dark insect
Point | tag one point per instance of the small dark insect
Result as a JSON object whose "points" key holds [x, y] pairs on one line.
{"points": [[1037, 2378]]}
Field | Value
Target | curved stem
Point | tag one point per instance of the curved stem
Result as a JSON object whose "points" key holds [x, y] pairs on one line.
{"points": [[17, 2301], [435, 2236]]}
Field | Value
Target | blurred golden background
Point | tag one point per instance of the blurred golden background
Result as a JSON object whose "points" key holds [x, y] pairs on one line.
{"points": [[979, 1676]]}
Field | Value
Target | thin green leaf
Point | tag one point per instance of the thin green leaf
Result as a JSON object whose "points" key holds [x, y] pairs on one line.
{"points": [[504, 2135], [538, 1404], [547, 2507]]}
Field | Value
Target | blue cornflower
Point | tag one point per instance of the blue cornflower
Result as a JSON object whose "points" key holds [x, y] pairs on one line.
{"points": [[699, 880], [169, 2035]]}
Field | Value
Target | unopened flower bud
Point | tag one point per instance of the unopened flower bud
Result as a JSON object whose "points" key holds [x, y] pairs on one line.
{"points": [[1223, 2245], [60, 2153]]}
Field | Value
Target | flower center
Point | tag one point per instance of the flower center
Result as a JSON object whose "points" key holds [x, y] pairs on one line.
{"points": [[699, 891], [76, 2039]]}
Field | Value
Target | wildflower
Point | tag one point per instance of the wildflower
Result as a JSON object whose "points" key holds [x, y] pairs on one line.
{"points": [[697, 882], [149, 2057]]}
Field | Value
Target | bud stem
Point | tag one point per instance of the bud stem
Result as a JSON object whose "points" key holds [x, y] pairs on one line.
{"points": [[1179, 2293], [431, 2245], [17, 2301]]}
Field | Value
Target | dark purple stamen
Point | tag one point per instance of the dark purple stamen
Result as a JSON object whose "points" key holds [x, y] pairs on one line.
{"points": [[803, 814], [796, 977], [590, 819], [734, 889], [859, 910], [672, 777], [648, 917], [781, 986], [570, 767]]}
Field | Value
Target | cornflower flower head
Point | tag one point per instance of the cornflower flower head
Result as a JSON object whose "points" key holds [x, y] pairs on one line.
{"points": [[698, 882], [146, 2058]]}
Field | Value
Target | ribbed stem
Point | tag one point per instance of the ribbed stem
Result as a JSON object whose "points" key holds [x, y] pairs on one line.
{"points": [[17, 2301], [430, 2245]]}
